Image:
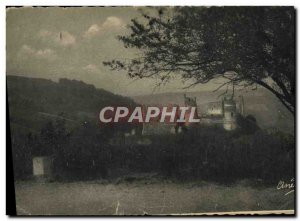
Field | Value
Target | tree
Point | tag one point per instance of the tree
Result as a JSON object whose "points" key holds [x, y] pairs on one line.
{"points": [[54, 137], [246, 46]]}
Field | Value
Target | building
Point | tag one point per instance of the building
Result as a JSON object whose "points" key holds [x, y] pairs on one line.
{"points": [[189, 102], [229, 118], [156, 127], [224, 112], [167, 127], [214, 109]]}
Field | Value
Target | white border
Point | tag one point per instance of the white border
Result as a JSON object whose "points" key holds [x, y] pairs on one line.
{"points": [[148, 2], [5, 3]]}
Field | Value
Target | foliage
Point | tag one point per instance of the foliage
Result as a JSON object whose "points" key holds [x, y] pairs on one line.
{"points": [[206, 153], [244, 45]]}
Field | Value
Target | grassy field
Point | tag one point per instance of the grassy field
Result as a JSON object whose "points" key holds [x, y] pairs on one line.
{"points": [[145, 197]]}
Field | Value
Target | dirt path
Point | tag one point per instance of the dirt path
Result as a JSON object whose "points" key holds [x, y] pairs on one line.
{"points": [[92, 198]]}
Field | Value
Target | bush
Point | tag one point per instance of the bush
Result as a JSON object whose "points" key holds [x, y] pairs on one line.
{"points": [[207, 153]]}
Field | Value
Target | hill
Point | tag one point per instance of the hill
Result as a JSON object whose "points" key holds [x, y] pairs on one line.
{"points": [[33, 101]]}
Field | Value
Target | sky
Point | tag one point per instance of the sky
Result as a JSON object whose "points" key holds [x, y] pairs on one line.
{"points": [[57, 42]]}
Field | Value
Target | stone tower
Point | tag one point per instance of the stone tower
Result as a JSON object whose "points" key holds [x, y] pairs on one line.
{"points": [[229, 108], [190, 102], [240, 105]]}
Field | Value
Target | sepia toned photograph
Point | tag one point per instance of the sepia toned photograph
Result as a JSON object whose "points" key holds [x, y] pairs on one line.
{"points": [[151, 111]]}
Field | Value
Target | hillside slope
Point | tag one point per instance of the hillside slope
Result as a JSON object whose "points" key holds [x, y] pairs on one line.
{"points": [[34, 101]]}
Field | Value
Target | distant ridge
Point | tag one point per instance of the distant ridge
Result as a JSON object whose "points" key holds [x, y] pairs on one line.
{"points": [[33, 101]]}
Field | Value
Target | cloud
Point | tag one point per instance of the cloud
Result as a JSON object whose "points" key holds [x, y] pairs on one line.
{"points": [[45, 54], [111, 23], [93, 30], [63, 38], [91, 68]]}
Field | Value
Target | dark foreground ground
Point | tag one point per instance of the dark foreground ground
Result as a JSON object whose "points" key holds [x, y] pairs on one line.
{"points": [[145, 197]]}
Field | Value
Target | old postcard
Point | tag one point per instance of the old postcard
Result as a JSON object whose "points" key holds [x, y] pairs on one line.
{"points": [[151, 110]]}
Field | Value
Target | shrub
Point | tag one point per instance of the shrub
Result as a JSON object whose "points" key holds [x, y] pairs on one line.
{"points": [[207, 153]]}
